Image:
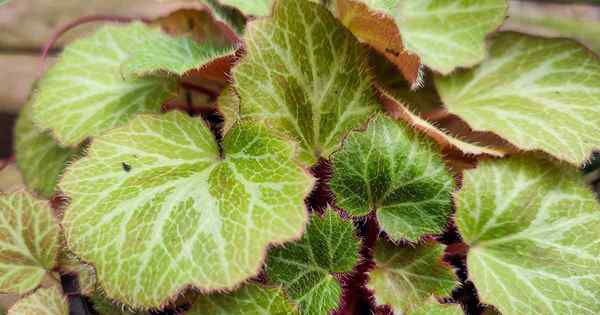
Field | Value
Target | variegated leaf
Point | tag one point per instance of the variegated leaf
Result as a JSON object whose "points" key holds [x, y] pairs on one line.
{"points": [[391, 169], [156, 207], [532, 228], [28, 242], [540, 94], [305, 75]]}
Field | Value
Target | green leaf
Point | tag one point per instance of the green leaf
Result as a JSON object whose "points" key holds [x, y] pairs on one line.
{"points": [[178, 55], [85, 92], [156, 208], [434, 308], [28, 242], [446, 34], [532, 227], [305, 268], [254, 7], [228, 15], [305, 75], [44, 301], [40, 159], [249, 300], [540, 94], [405, 277], [391, 169], [86, 275]]}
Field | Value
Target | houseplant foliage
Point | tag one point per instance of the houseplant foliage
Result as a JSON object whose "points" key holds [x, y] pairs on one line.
{"points": [[303, 157]]}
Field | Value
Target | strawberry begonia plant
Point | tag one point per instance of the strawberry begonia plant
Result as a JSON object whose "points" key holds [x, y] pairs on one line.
{"points": [[308, 157]]}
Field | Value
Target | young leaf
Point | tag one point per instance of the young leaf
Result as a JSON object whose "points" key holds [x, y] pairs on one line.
{"points": [[398, 173], [305, 268], [540, 94], [305, 75], [10, 178], [85, 93], [532, 227], [434, 308], [406, 277], [40, 159], [163, 53], [104, 306], [446, 34], [193, 217], [28, 242], [380, 31], [249, 300], [86, 275], [44, 301]]}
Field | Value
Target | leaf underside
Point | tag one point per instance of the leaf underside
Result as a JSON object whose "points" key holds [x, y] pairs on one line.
{"points": [[398, 173], [85, 92], [533, 230], [44, 301], [40, 159], [28, 242], [157, 193], [406, 277], [249, 300], [304, 75], [305, 268], [539, 94]]}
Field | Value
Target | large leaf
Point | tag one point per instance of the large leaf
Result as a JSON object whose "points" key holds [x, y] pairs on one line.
{"points": [[28, 242], [45, 301], [306, 75], [155, 207], [305, 268], [177, 55], [406, 277], [532, 226], [380, 31], [446, 34], [391, 169], [249, 300], [40, 159], [540, 94], [85, 92]]}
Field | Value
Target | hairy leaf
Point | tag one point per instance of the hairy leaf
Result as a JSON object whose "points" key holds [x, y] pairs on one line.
{"points": [[532, 226], [28, 242], [391, 169], [86, 275], [540, 94], [86, 93], [380, 31], [405, 277], [249, 300], [305, 268], [40, 159], [44, 301], [104, 306], [10, 178], [305, 75], [176, 55], [446, 34], [156, 208]]}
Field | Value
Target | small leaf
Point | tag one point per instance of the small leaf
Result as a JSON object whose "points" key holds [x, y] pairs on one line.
{"points": [[28, 242], [305, 268], [44, 301], [254, 7], [163, 53], [229, 105], [194, 217], [446, 34], [251, 299], [434, 308], [10, 178], [532, 227], [380, 31], [40, 159], [227, 15], [539, 94], [305, 75], [86, 275], [397, 172], [85, 93], [405, 277]]}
